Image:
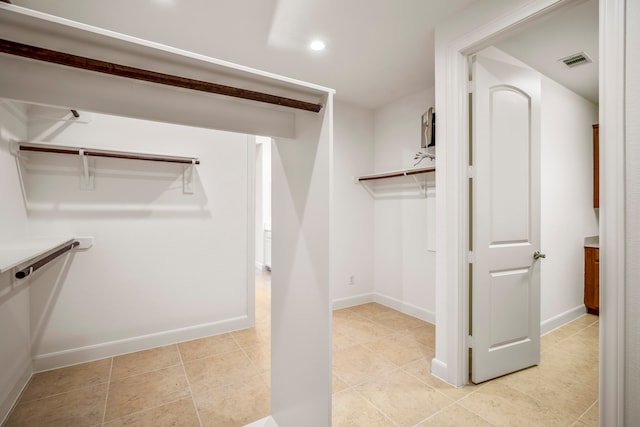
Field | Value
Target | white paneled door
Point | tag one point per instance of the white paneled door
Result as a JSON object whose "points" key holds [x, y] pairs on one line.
{"points": [[505, 216]]}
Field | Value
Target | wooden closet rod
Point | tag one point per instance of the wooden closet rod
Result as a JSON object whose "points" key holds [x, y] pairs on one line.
{"points": [[395, 174], [84, 63], [115, 155], [36, 265]]}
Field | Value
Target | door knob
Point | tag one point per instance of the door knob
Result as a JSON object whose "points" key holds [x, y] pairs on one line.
{"points": [[538, 255]]}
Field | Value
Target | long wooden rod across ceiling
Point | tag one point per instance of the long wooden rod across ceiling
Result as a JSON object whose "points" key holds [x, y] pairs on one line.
{"points": [[75, 61]]}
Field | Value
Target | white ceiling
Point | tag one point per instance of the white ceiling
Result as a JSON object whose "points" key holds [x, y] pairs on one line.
{"points": [[570, 30], [377, 50]]}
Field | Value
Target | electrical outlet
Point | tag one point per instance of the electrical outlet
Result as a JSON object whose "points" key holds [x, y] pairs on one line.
{"points": [[352, 280]]}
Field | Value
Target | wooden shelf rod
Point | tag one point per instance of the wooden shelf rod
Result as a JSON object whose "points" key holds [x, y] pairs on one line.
{"points": [[84, 63], [111, 154], [398, 173]]}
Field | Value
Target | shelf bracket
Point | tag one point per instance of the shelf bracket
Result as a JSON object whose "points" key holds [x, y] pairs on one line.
{"points": [[422, 189], [187, 178], [87, 179]]}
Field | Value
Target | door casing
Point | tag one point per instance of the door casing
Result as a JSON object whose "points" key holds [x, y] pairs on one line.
{"points": [[452, 279]]}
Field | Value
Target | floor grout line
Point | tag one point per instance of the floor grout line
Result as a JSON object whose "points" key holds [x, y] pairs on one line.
{"points": [[375, 406], [186, 377], [106, 398], [588, 409]]}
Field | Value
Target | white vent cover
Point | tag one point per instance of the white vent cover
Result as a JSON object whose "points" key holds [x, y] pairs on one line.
{"points": [[576, 59]]}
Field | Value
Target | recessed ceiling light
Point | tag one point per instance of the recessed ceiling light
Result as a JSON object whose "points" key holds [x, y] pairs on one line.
{"points": [[317, 45]]}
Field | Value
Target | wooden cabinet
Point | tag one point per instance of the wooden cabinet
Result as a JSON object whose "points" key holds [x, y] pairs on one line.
{"points": [[592, 279], [596, 167]]}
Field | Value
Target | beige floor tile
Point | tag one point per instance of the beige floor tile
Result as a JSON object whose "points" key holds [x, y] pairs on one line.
{"points": [[362, 330], [400, 349], [140, 392], [341, 340], [580, 346], [567, 368], [219, 370], [205, 347], [424, 334], [144, 361], [260, 334], [337, 385], [80, 407], [235, 404], [569, 402], [346, 314], [455, 416], [502, 405], [356, 364], [592, 416], [260, 356], [397, 321], [350, 409], [66, 379], [402, 398], [557, 384], [551, 339], [421, 369], [370, 309], [181, 413], [581, 323]]}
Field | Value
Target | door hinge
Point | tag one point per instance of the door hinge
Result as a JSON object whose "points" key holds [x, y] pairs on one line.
{"points": [[470, 171], [470, 86], [469, 341], [470, 257]]}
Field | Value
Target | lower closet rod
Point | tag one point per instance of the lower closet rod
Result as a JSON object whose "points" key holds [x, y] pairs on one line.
{"points": [[36, 265]]}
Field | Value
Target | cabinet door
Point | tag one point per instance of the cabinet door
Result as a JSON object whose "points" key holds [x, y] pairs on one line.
{"points": [[591, 279], [596, 167]]}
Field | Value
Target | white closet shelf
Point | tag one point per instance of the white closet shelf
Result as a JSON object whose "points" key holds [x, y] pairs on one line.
{"points": [[396, 173], [59, 149], [399, 181], [87, 182], [16, 252]]}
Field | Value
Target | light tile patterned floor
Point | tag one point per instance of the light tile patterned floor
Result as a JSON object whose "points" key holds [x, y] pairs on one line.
{"points": [[381, 377]]}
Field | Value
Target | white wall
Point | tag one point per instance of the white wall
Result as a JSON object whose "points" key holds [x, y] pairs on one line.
{"points": [[15, 347], [259, 217], [567, 213], [165, 266], [632, 321], [404, 256], [353, 208]]}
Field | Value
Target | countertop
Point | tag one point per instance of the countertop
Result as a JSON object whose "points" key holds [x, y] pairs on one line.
{"points": [[592, 242]]}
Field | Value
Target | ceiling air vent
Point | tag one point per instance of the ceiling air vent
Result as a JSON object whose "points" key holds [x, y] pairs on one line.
{"points": [[576, 59]]}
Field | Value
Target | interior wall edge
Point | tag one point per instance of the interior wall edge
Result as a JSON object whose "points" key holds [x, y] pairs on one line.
{"points": [[14, 394]]}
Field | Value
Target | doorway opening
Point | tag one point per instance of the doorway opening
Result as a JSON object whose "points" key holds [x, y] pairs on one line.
{"points": [[569, 221]]}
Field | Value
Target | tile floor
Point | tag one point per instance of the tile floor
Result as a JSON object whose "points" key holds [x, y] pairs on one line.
{"points": [[381, 377]]}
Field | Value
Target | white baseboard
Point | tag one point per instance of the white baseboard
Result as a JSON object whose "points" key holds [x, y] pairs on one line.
{"points": [[352, 301], [562, 319], [45, 362], [439, 370], [22, 379], [406, 308], [265, 422]]}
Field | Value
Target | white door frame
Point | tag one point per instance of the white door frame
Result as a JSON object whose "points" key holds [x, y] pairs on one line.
{"points": [[451, 361]]}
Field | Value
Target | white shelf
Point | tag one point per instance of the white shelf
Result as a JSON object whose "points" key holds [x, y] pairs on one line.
{"points": [[396, 173], [16, 252], [402, 183]]}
